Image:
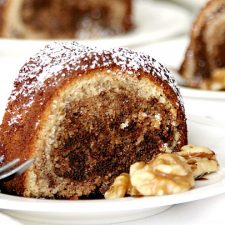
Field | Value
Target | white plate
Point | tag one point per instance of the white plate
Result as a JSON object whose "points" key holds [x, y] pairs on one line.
{"points": [[203, 94], [201, 132], [204, 103], [170, 53], [154, 21], [210, 104], [8, 220]]}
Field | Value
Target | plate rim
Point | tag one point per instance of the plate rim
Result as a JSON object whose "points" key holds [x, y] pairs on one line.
{"points": [[109, 206], [202, 94]]}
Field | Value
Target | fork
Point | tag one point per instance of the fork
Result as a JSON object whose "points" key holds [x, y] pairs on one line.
{"points": [[9, 170]]}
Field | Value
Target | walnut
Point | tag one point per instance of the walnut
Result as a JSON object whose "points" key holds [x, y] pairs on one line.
{"points": [[119, 188], [202, 160], [217, 80], [132, 191], [166, 174]]}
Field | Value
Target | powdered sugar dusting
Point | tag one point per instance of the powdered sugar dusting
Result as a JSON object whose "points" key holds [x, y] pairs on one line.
{"points": [[63, 59], [133, 61]]}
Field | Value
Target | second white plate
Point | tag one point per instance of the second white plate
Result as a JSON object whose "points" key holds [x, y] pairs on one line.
{"points": [[153, 21]]}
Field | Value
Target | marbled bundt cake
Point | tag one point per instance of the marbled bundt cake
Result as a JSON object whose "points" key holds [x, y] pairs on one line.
{"points": [[65, 18], [85, 115], [204, 63]]}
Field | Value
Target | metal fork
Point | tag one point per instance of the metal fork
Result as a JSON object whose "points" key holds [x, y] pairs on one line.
{"points": [[9, 170]]}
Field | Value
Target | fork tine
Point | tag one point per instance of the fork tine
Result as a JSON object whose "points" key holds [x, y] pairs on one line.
{"points": [[1, 158], [18, 170], [9, 165]]}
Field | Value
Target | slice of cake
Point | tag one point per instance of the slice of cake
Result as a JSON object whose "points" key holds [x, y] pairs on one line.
{"points": [[204, 63], [85, 115], [65, 18]]}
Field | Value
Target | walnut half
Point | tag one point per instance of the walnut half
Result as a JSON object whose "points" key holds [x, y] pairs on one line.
{"points": [[202, 160], [166, 174], [119, 188]]}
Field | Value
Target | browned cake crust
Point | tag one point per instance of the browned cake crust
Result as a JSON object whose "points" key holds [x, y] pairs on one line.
{"points": [[86, 115], [65, 18], [204, 58]]}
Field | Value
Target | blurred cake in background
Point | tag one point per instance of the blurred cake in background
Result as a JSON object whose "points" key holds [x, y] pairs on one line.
{"points": [[60, 19], [204, 63]]}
